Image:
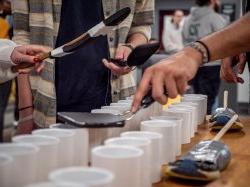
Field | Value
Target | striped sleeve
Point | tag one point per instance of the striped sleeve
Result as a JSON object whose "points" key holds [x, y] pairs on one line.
{"points": [[143, 18], [20, 11]]}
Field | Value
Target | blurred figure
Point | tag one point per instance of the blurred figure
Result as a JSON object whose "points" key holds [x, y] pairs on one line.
{"points": [[172, 33], [5, 88], [202, 21]]}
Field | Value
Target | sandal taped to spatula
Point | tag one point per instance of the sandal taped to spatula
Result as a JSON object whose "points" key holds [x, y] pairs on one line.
{"points": [[203, 162], [221, 117], [189, 169]]}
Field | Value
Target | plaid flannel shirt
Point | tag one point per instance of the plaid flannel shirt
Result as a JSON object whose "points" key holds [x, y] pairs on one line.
{"points": [[37, 22]]}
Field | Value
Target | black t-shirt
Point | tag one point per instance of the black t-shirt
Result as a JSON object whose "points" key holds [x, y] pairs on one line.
{"points": [[82, 81]]}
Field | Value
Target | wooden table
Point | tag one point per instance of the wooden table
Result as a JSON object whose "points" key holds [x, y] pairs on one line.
{"points": [[238, 172]]}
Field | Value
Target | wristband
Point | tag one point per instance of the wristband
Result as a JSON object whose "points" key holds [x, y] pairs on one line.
{"points": [[129, 46], [202, 49], [24, 108]]}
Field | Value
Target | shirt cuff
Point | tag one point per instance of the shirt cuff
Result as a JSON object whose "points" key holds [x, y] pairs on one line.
{"points": [[6, 49]]}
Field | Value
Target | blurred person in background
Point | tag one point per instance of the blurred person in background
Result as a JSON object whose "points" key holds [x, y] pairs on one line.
{"points": [[203, 20], [172, 33]]}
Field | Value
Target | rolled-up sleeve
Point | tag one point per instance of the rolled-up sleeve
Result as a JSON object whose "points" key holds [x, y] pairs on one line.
{"points": [[143, 18], [6, 48]]}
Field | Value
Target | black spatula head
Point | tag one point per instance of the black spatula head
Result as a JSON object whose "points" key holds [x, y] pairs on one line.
{"points": [[138, 56], [117, 17], [142, 53], [91, 120]]}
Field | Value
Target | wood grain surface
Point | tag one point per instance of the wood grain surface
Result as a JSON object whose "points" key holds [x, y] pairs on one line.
{"points": [[238, 172]]}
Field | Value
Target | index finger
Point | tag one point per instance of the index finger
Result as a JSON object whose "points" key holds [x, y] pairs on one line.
{"points": [[142, 90], [36, 49]]}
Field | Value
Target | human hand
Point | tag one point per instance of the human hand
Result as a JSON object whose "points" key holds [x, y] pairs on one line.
{"points": [[122, 53], [171, 74], [228, 74], [25, 58]]}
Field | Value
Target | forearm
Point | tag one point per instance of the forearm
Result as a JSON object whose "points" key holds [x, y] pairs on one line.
{"points": [[232, 40], [25, 95], [137, 39]]}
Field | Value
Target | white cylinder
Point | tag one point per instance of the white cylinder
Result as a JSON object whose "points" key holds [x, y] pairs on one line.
{"points": [[201, 100], [81, 143], [23, 169], [119, 108], [156, 144], [193, 116], [6, 162], [50, 184], [105, 111], [145, 145], [178, 122], [168, 131], [196, 105], [205, 97], [121, 104], [125, 101], [48, 154], [93, 177], [124, 162], [186, 125], [66, 145]]}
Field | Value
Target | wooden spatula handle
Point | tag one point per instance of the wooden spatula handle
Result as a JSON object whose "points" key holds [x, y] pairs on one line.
{"points": [[42, 57], [225, 128]]}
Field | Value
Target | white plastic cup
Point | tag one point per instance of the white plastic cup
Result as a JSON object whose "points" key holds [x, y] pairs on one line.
{"points": [[179, 122], [205, 97], [66, 146], [193, 117], [23, 170], [91, 176], [119, 108], [51, 184], [142, 143], [202, 101], [105, 111], [47, 157], [156, 144], [168, 130], [6, 162], [186, 125], [196, 105], [125, 101], [81, 156], [121, 104], [124, 162]]}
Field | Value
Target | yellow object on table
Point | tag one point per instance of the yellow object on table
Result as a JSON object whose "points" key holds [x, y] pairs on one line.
{"points": [[171, 101]]}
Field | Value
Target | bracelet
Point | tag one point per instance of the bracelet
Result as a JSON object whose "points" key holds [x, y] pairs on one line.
{"points": [[129, 46], [201, 49], [27, 118], [24, 108], [206, 47]]}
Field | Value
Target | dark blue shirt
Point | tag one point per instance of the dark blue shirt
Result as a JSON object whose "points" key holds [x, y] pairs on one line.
{"points": [[82, 81]]}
